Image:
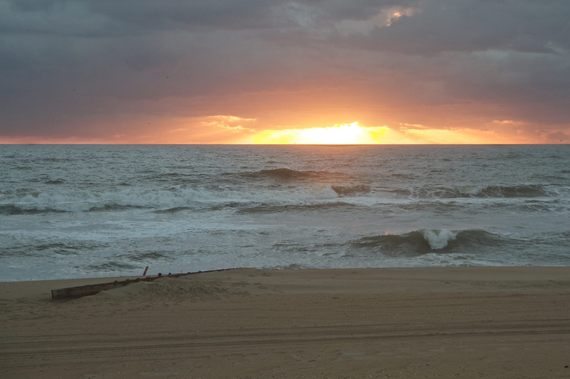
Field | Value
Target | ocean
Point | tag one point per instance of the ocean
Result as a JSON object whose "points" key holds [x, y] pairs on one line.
{"points": [[69, 211]]}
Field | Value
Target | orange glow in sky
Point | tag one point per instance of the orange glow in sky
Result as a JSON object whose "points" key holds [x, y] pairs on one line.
{"points": [[356, 134], [232, 129]]}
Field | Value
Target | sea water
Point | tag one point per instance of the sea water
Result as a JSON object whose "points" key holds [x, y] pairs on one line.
{"points": [[80, 211]]}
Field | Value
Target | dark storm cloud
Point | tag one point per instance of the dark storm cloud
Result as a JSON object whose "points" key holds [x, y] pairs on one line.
{"points": [[477, 25], [66, 65]]}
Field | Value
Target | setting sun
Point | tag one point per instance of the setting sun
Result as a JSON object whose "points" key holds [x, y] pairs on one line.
{"points": [[341, 134], [350, 134]]}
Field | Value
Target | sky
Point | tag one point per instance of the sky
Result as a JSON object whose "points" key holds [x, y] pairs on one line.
{"points": [[265, 71]]}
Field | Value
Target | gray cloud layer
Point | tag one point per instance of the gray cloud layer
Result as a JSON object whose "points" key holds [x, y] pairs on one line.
{"points": [[69, 64]]}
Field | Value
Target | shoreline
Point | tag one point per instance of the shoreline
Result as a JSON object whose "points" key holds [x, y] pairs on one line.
{"points": [[98, 279], [493, 322]]}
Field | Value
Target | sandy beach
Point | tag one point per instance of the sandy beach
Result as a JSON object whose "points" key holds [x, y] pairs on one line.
{"points": [[371, 323]]}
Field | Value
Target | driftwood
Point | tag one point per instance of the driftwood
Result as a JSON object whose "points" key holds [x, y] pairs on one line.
{"points": [[92, 289]]}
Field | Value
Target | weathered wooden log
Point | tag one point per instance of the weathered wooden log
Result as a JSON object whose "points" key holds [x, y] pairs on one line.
{"points": [[88, 289], [92, 289]]}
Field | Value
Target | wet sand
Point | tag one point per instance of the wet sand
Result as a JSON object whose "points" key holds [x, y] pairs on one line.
{"points": [[371, 323]]}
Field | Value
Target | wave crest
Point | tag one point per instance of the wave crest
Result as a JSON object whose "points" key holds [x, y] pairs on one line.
{"points": [[55, 181], [270, 208], [351, 190], [172, 210], [496, 191], [426, 241], [533, 190], [287, 174], [110, 207], [12, 209]]}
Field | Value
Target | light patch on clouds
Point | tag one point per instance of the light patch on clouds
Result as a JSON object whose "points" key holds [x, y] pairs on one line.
{"points": [[300, 14], [385, 18], [394, 14], [60, 140], [407, 125], [508, 122], [217, 129], [234, 124]]}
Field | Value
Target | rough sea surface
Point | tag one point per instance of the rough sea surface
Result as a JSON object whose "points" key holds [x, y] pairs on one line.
{"points": [[78, 211]]}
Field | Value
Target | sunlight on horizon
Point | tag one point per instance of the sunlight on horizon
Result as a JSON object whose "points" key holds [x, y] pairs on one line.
{"points": [[350, 134]]}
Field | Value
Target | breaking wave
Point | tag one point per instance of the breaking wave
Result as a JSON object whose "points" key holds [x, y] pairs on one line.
{"points": [[172, 210], [420, 242], [110, 266], [146, 256], [271, 208], [111, 207], [170, 177], [46, 248], [513, 191], [12, 209], [115, 200], [525, 190], [55, 181], [286, 174]]}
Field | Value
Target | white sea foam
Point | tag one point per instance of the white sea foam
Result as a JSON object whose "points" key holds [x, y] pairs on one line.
{"points": [[438, 239]]}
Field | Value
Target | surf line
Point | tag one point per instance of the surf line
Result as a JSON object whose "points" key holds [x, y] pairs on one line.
{"points": [[92, 289]]}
